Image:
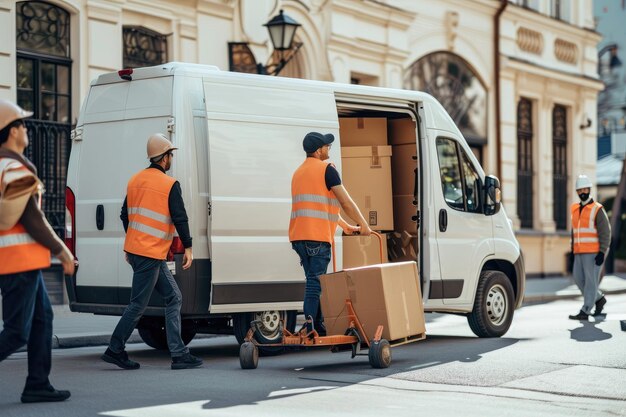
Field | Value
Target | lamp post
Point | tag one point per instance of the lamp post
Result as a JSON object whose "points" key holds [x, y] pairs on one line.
{"points": [[282, 30]]}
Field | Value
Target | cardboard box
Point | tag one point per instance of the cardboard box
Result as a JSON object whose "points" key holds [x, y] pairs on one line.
{"points": [[403, 168], [402, 247], [387, 294], [366, 174], [363, 250], [402, 131], [360, 131], [403, 211]]}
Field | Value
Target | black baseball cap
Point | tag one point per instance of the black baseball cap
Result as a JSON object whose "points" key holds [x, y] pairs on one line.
{"points": [[315, 140]]}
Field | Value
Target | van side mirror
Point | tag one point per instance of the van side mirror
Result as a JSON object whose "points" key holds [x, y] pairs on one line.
{"points": [[492, 194]]}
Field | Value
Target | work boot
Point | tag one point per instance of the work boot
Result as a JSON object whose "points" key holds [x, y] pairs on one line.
{"points": [[119, 359], [44, 395], [580, 316], [186, 361], [599, 306]]}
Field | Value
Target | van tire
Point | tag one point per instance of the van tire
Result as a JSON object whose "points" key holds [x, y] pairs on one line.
{"points": [[493, 306], [241, 325], [152, 332]]}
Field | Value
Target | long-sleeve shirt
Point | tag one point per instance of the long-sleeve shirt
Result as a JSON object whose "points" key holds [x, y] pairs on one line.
{"points": [[177, 211], [33, 219]]}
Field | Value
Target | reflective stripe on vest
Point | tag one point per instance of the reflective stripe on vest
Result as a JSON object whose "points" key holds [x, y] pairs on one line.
{"points": [[150, 228], [19, 252], [314, 209], [585, 233]]}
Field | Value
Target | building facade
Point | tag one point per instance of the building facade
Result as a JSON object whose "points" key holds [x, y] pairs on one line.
{"points": [[519, 77]]}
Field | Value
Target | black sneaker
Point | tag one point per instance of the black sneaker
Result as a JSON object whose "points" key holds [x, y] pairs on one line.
{"points": [[44, 395], [580, 316], [599, 306], [186, 361], [119, 359]]}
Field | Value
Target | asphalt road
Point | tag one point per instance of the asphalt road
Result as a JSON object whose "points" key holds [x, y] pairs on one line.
{"points": [[545, 365]]}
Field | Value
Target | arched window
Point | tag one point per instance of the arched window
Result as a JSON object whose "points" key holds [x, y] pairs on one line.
{"points": [[449, 79], [143, 47], [44, 87]]}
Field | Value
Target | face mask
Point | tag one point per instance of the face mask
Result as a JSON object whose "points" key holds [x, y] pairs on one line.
{"points": [[583, 196]]}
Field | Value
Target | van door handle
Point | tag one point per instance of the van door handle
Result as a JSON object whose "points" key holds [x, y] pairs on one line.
{"points": [[100, 217], [443, 220]]}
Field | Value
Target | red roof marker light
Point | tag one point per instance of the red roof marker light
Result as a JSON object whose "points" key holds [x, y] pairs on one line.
{"points": [[126, 74]]}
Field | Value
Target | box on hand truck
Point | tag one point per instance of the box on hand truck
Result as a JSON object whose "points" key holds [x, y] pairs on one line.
{"points": [[377, 306]]}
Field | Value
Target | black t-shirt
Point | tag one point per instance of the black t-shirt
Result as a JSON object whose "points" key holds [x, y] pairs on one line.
{"points": [[331, 177]]}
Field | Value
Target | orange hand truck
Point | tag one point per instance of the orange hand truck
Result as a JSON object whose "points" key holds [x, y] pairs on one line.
{"points": [[379, 350]]}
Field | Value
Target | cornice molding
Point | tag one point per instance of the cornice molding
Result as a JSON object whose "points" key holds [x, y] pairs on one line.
{"points": [[224, 9], [575, 79], [367, 50], [542, 23], [375, 12]]}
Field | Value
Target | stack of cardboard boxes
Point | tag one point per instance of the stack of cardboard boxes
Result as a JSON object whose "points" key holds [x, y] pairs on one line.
{"points": [[366, 162], [403, 242]]}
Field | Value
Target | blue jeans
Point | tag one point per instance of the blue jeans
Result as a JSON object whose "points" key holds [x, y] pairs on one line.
{"points": [[314, 258], [27, 316], [149, 274]]}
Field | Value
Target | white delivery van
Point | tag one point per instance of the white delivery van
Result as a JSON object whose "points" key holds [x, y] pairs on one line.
{"points": [[240, 139]]}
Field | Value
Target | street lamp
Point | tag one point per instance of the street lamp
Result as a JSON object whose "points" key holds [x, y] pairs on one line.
{"points": [[282, 30]]}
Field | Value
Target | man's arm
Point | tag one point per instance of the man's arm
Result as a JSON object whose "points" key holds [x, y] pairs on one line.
{"points": [[124, 214], [181, 222], [604, 230], [351, 209], [36, 225]]}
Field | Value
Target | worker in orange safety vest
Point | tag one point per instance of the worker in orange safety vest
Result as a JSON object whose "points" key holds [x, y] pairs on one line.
{"points": [[152, 211], [317, 195], [26, 243], [591, 236]]}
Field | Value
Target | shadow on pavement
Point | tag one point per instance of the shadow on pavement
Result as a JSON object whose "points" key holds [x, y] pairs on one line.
{"points": [[588, 332], [320, 372]]}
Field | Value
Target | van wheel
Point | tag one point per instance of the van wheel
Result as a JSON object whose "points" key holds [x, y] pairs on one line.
{"points": [[493, 307], [269, 328], [152, 332]]}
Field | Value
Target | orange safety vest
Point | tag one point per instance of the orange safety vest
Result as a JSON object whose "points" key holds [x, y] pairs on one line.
{"points": [[585, 233], [19, 252], [150, 228], [314, 209]]}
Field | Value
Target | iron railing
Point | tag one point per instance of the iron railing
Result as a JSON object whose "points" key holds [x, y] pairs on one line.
{"points": [[49, 150]]}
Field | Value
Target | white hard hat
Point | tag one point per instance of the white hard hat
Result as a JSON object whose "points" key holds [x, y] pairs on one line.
{"points": [[10, 112], [583, 182], [158, 144]]}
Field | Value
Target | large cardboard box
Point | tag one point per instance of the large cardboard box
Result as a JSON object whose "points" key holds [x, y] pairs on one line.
{"points": [[403, 166], [402, 131], [366, 174], [364, 250], [387, 294], [360, 131]]}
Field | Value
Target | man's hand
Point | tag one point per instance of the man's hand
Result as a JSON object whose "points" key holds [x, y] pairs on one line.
{"points": [[187, 258], [67, 260], [351, 230], [600, 258], [365, 230]]}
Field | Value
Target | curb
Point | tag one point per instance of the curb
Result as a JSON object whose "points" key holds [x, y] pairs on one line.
{"points": [[543, 298]]}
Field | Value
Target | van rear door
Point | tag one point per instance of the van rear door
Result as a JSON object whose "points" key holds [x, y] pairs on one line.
{"points": [[255, 130], [116, 122]]}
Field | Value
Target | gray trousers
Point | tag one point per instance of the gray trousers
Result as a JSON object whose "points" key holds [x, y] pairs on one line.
{"points": [[587, 278]]}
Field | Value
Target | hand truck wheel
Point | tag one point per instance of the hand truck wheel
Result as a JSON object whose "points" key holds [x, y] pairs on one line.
{"points": [[248, 356]]}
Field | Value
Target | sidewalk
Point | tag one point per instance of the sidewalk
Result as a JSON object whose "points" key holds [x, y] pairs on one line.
{"points": [[83, 329]]}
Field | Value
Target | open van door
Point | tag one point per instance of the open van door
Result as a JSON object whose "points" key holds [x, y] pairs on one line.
{"points": [[254, 146]]}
